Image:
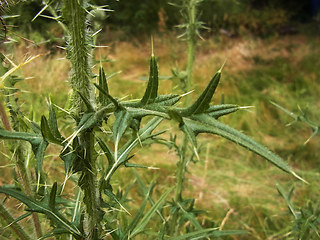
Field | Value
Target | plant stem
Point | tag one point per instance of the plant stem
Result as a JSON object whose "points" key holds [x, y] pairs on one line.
{"points": [[16, 228], [191, 47], [79, 55], [89, 184], [26, 182], [4, 118], [182, 163]]}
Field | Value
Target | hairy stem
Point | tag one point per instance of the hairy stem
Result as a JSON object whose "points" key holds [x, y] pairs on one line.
{"points": [[22, 171], [89, 184], [182, 163], [181, 166], [9, 220], [79, 56]]}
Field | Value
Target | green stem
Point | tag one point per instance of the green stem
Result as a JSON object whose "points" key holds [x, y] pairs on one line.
{"points": [[26, 182], [16, 228], [89, 184], [191, 47], [79, 54], [180, 174], [182, 163]]}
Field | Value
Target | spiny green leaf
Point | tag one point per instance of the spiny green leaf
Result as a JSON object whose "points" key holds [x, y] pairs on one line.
{"points": [[175, 115], [39, 151], [76, 214], [106, 150], [55, 233], [203, 102], [205, 124], [133, 224], [33, 138], [86, 102], [37, 142], [287, 199], [52, 199], [217, 111], [144, 133], [134, 165], [103, 99], [152, 88], [167, 100], [23, 216], [144, 221], [53, 123], [92, 119], [35, 127], [114, 101], [47, 134], [145, 190], [191, 138], [35, 206], [69, 157], [291, 114], [123, 120], [147, 111], [190, 216]]}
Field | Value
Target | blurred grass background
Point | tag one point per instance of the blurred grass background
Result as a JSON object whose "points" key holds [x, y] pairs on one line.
{"points": [[259, 69]]}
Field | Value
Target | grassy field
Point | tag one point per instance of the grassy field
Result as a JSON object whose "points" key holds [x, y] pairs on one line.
{"points": [[230, 183]]}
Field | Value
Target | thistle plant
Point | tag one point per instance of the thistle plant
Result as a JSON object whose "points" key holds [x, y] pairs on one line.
{"points": [[92, 156], [302, 117], [306, 220]]}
